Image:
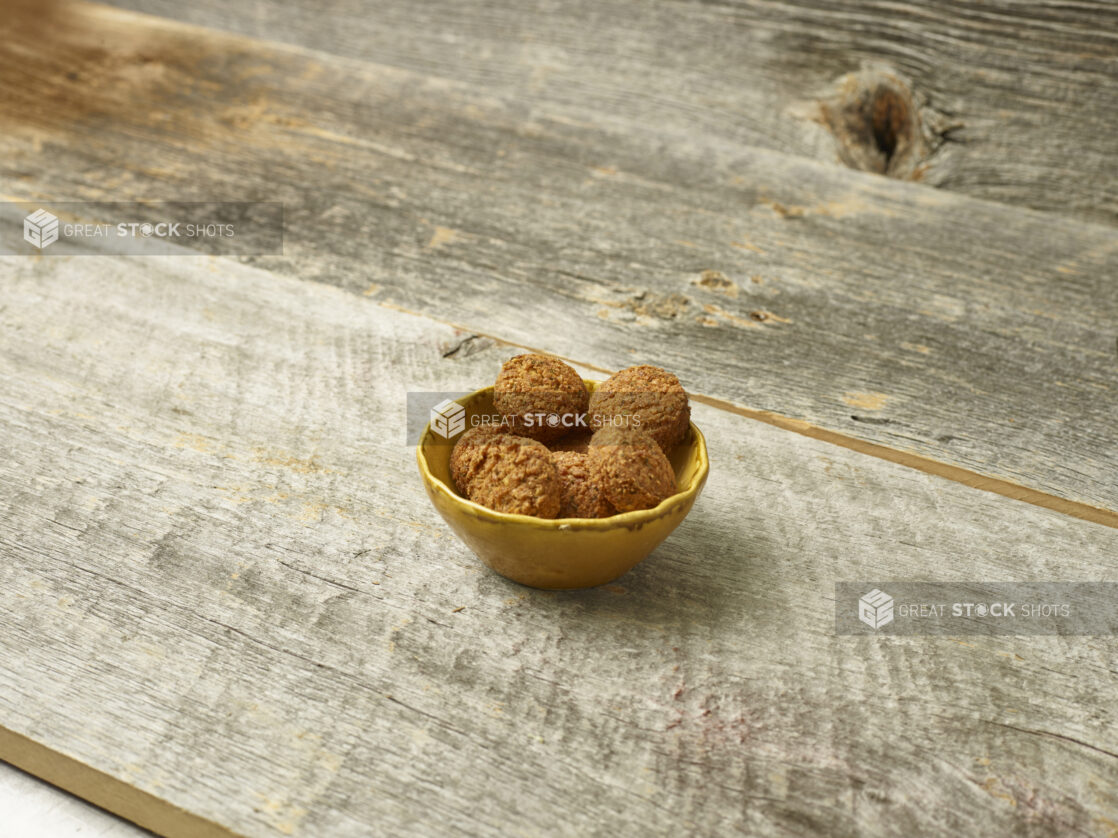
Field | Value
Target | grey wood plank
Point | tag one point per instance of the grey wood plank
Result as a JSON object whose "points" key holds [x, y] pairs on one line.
{"points": [[1008, 101], [976, 339], [222, 585]]}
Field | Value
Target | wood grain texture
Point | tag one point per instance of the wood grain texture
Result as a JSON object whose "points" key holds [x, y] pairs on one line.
{"points": [[960, 331], [222, 585], [1014, 102]]}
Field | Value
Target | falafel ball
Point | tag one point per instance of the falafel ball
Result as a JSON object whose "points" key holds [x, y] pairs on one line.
{"points": [[645, 397], [576, 441], [580, 496], [536, 393], [464, 457], [515, 474], [630, 467]]}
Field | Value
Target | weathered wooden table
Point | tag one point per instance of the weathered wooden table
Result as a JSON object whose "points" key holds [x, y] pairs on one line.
{"points": [[876, 241]]}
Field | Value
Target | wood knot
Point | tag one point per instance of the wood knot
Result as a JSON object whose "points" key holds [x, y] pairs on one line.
{"points": [[878, 123]]}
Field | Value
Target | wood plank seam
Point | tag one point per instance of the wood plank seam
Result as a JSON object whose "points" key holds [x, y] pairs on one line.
{"points": [[180, 489], [885, 287], [919, 462]]}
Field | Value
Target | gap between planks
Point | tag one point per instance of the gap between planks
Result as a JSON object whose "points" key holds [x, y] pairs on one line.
{"points": [[919, 462]]}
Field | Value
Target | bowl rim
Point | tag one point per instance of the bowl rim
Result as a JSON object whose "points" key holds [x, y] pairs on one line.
{"points": [[621, 519]]}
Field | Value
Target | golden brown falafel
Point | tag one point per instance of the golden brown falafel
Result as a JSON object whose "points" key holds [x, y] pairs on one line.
{"points": [[580, 496], [515, 474], [577, 441], [630, 467], [464, 457], [644, 397], [539, 396]]}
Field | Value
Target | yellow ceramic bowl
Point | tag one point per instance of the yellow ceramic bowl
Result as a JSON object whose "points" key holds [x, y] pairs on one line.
{"points": [[563, 552]]}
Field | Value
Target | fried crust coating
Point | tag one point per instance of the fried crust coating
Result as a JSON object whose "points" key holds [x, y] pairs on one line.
{"points": [[515, 474], [645, 397], [534, 393], [580, 496], [630, 468]]}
